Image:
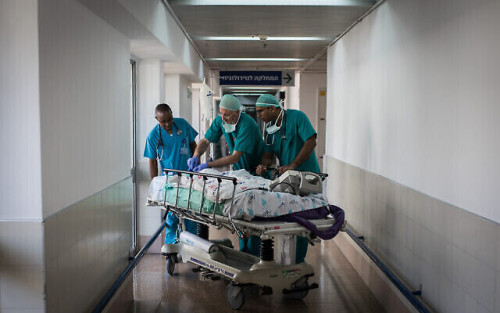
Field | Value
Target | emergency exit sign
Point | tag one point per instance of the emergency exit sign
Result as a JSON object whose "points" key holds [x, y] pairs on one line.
{"points": [[257, 78]]}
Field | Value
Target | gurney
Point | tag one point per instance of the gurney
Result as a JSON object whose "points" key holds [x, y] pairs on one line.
{"points": [[243, 209]]}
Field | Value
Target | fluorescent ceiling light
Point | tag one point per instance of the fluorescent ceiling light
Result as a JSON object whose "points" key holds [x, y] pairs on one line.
{"points": [[258, 59], [246, 94], [251, 91], [261, 38], [247, 88], [276, 2]]}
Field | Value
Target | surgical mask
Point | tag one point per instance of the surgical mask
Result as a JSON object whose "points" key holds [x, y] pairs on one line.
{"points": [[271, 127], [229, 128]]}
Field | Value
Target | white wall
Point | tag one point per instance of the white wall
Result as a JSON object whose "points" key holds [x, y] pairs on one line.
{"points": [[20, 182], [292, 94], [413, 96], [185, 99], [176, 95], [65, 119], [195, 106], [172, 93], [150, 86], [84, 104], [150, 92], [309, 86], [155, 17]]}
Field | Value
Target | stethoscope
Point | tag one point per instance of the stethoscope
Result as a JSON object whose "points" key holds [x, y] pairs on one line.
{"points": [[282, 131], [160, 141]]}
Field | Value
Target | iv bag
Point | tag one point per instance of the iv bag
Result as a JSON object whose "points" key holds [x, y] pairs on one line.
{"points": [[205, 100]]}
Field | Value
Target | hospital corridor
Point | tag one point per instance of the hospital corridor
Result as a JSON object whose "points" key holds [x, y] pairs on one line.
{"points": [[201, 156], [341, 289]]}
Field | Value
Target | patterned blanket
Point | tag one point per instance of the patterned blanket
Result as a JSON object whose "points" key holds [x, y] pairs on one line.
{"points": [[252, 196]]}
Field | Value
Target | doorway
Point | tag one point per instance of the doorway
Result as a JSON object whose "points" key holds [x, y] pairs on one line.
{"points": [[133, 170], [321, 122]]}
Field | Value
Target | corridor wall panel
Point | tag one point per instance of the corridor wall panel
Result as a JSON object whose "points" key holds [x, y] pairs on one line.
{"points": [[413, 96], [412, 153], [84, 104], [19, 112]]}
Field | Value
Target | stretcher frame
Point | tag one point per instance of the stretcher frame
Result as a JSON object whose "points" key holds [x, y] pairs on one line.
{"points": [[243, 270]]}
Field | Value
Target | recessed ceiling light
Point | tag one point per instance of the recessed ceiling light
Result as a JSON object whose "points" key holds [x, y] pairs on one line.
{"points": [[258, 59], [247, 94], [249, 91], [261, 38], [278, 2], [250, 87]]}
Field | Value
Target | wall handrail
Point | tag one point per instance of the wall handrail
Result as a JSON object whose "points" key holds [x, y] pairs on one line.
{"points": [[409, 295], [119, 281]]}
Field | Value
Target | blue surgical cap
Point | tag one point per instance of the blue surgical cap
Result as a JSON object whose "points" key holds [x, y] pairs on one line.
{"points": [[267, 100], [230, 102]]}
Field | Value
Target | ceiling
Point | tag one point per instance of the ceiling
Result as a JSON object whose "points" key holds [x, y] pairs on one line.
{"points": [[230, 18]]}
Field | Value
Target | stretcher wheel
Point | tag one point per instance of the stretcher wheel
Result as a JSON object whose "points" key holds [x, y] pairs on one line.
{"points": [[300, 284], [170, 264], [235, 296]]}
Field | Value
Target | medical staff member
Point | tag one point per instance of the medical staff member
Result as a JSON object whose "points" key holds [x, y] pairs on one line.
{"points": [[242, 135], [290, 136], [170, 143], [246, 147]]}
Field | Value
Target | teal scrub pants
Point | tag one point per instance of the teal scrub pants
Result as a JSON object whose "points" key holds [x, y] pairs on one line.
{"points": [[252, 245], [173, 223]]}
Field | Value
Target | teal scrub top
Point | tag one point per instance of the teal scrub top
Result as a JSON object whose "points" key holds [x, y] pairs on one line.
{"points": [[175, 150], [289, 140], [246, 138]]}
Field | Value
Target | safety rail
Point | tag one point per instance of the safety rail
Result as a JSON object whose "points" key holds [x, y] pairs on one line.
{"points": [[119, 281], [409, 295], [199, 216]]}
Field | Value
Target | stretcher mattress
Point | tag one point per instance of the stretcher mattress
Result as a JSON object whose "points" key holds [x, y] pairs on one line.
{"points": [[252, 196]]}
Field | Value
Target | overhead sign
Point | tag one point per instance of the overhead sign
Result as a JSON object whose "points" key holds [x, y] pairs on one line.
{"points": [[257, 78]]}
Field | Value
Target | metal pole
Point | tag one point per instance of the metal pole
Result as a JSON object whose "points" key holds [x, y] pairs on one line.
{"points": [[402, 288], [119, 281]]}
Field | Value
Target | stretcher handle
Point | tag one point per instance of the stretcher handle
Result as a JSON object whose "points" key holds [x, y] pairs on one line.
{"points": [[238, 232], [187, 213], [165, 199], [274, 169], [219, 181], [168, 170], [200, 217]]}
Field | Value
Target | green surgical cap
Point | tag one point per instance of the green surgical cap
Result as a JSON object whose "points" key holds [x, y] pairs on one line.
{"points": [[230, 102], [267, 100]]}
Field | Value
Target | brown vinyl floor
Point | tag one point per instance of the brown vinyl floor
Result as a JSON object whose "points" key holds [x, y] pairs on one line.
{"points": [[340, 290]]}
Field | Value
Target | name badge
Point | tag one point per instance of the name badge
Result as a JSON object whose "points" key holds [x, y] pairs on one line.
{"points": [[184, 148]]}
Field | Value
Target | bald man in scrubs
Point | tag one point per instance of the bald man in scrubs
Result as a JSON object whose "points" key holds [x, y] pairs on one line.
{"points": [[170, 143], [242, 135], [246, 148]]}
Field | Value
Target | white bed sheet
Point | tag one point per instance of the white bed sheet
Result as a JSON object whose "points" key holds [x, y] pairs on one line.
{"points": [[252, 195]]}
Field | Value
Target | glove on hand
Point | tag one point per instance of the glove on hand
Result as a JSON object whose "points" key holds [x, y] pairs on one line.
{"points": [[193, 162], [200, 167]]}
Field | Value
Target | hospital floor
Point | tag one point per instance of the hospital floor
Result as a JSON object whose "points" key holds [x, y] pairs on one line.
{"points": [[340, 288]]}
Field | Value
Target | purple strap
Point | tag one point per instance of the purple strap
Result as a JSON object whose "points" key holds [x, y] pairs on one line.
{"points": [[303, 218]]}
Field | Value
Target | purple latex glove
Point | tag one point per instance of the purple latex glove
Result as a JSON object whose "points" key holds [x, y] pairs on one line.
{"points": [[200, 167], [193, 162]]}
